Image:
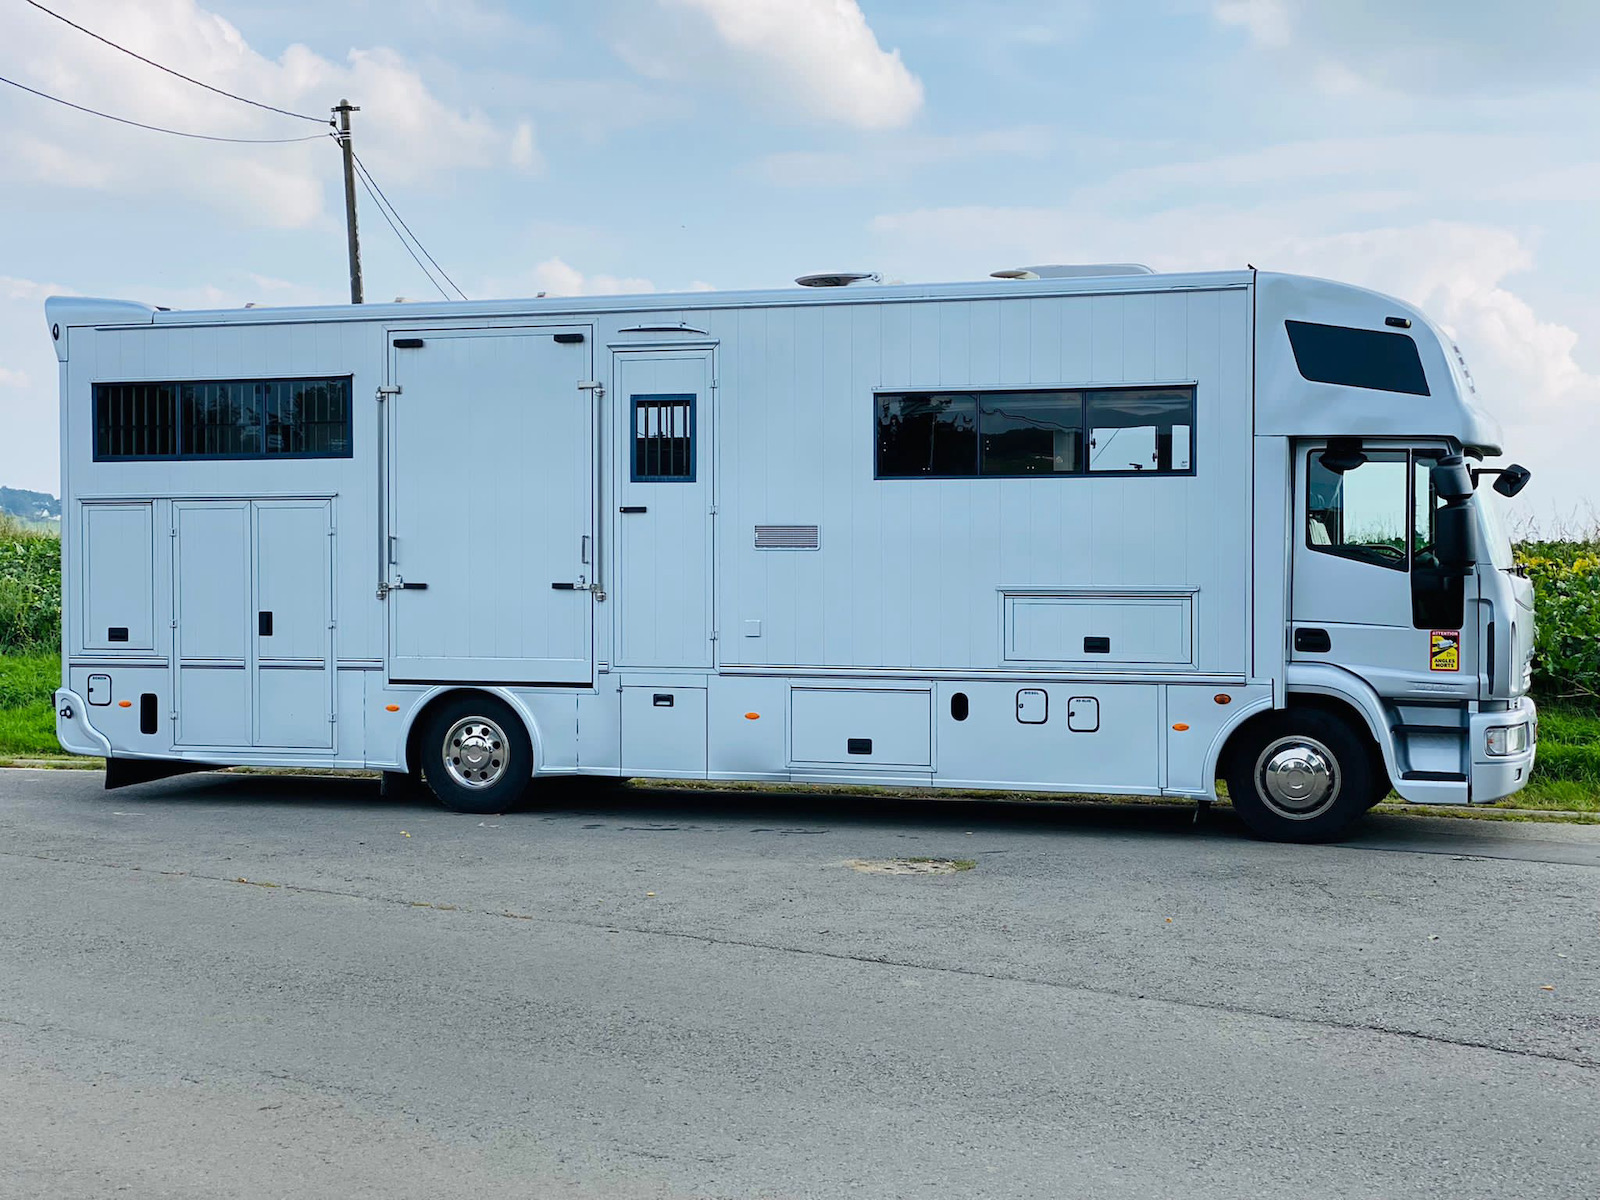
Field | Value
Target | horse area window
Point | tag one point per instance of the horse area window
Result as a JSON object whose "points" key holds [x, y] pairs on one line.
{"points": [[251, 418], [1038, 433], [663, 439]]}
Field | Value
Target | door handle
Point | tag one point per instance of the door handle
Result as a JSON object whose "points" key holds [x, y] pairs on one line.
{"points": [[404, 586], [633, 508], [264, 624], [1312, 641]]}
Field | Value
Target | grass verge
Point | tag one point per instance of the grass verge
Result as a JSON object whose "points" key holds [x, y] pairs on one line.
{"points": [[27, 709]]}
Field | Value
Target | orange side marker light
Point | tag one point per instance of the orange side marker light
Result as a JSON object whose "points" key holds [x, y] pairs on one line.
{"points": [[124, 703], [752, 716], [1223, 698], [391, 708], [1180, 727]]}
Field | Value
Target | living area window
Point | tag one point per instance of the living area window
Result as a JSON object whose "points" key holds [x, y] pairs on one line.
{"points": [[1035, 432]]}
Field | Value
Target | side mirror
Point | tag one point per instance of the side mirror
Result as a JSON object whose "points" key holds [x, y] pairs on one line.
{"points": [[1452, 534], [1512, 479], [1451, 479]]}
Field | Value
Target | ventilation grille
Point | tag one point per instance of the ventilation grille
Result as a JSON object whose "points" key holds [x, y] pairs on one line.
{"points": [[786, 537]]}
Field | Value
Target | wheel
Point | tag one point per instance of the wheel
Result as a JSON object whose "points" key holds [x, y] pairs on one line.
{"points": [[476, 755], [1301, 776]]}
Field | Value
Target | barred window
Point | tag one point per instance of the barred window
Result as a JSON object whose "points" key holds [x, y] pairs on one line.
{"points": [[251, 418], [663, 439]]}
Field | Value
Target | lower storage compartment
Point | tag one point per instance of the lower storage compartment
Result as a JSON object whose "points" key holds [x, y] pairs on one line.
{"points": [[859, 727]]}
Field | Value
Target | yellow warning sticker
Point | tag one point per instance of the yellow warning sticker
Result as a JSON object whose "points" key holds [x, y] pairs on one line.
{"points": [[1444, 650]]}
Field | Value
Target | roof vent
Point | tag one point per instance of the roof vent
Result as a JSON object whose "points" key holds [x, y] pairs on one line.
{"points": [[838, 278], [1072, 271]]}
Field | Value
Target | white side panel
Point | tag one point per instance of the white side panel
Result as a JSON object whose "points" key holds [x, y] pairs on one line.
{"points": [[1098, 630], [118, 577], [294, 680], [860, 727], [906, 571], [213, 706], [211, 592], [292, 707], [663, 586], [664, 731], [213, 585], [1001, 743], [491, 477]]}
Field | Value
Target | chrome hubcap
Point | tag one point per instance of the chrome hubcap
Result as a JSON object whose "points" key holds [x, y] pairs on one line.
{"points": [[1297, 777], [475, 752]]}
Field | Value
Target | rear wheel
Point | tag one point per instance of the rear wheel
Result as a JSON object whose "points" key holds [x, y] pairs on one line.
{"points": [[476, 754], [1301, 775]]}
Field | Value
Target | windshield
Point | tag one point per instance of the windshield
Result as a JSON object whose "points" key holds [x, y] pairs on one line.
{"points": [[1495, 531]]}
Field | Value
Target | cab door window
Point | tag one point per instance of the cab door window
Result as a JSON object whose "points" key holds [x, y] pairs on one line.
{"points": [[1364, 513]]}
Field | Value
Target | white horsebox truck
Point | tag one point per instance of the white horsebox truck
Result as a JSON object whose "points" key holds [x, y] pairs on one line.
{"points": [[1074, 529]]}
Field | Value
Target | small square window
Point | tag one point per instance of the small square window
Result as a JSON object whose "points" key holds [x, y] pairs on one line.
{"points": [[663, 439]]}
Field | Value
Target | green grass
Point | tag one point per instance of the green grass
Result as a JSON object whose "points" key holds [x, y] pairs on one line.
{"points": [[27, 711]]}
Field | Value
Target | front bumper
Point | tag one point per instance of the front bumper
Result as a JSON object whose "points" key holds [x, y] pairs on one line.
{"points": [[1495, 777]]}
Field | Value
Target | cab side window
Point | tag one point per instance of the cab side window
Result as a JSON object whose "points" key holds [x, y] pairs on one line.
{"points": [[1362, 513]]}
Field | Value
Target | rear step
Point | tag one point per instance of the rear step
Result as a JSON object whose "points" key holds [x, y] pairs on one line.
{"points": [[1433, 776]]}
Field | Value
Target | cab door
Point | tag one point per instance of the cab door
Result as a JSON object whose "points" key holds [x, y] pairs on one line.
{"points": [[1366, 592]]}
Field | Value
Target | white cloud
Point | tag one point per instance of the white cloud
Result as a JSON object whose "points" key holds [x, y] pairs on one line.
{"points": [[816, 58], [873, 162], [1424, 45], [404, 132], [1267, 21], [556, 277], [524, 153]]}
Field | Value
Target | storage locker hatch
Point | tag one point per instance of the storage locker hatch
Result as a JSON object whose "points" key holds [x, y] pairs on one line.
{"points": [[861, 727], [118, 577], [1098, 629]]}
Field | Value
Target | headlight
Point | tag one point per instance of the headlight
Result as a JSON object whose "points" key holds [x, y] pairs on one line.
{"points": [[1508, 739]]}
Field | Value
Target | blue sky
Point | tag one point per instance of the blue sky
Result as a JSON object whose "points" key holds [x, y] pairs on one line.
{"points": [[1444, 152]]}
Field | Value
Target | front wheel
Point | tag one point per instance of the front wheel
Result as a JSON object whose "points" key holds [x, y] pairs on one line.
{"points": [[477, 757], [1301, 775]]}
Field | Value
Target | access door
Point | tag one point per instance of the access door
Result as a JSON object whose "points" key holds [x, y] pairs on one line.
{"points": [[664, 508], [1368, 595], [489, 537], [253, 623]]}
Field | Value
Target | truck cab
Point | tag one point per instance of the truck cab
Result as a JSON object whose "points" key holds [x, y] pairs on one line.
{"points": [[1404, 603]]}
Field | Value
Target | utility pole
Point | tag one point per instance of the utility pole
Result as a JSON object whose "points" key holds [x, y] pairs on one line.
{"points": [[344, 109]]}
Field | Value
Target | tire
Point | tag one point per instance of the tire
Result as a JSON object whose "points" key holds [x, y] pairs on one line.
{"points": [[1301, 775], [476, 755]]}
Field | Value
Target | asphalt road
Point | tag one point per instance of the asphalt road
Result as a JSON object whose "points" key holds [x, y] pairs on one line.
{"points": [[235, 986]]}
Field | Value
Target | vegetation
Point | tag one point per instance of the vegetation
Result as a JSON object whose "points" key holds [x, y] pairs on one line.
{"points": [[30, 588], [1566, 575], [1566, 580]]}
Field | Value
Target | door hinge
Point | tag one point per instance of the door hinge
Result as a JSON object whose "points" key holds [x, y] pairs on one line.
{"points": [[386, 390], [592, 385], [713, 510], [713, 635]]}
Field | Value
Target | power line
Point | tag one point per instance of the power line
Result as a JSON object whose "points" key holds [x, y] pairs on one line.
{"points": [[204, 137], [170, 71], [368, 179], [385, 215]]}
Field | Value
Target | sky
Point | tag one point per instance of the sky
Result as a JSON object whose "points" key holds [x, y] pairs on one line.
{"points": [[1443, 151]]}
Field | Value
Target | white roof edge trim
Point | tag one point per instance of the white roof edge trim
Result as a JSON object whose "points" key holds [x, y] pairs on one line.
{"points": [[701, 302], [73, 311]]}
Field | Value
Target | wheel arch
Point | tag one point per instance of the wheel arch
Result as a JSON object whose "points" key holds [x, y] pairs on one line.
{"points": [[1336, 692], [442, 694]]}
